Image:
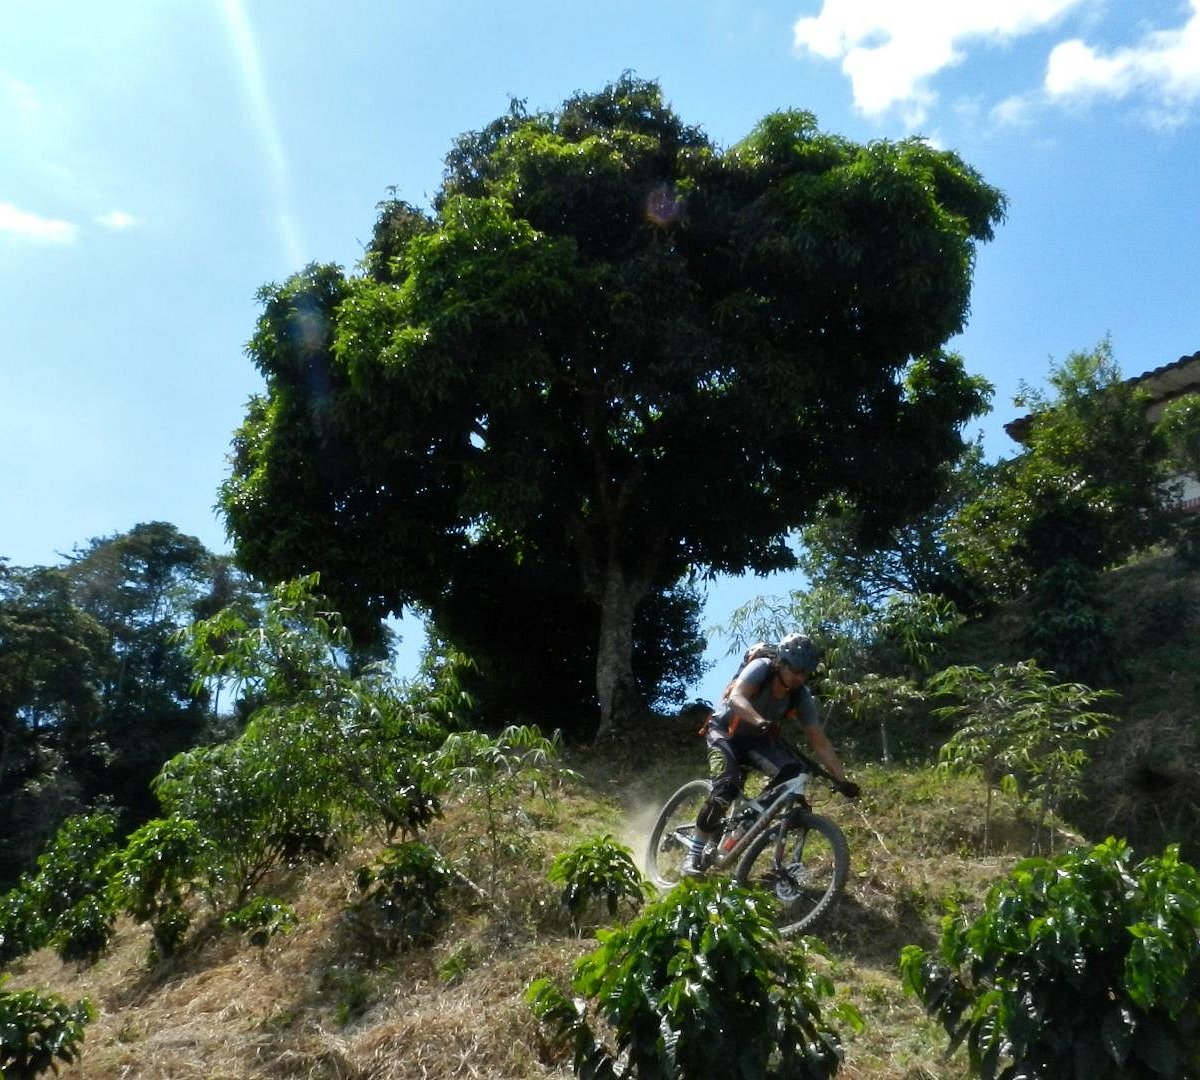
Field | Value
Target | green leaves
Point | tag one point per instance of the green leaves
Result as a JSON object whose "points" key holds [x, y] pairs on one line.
{"points": [[262, 919], [491, 773], [162, 863], [39, 1030], [598, 870], [1019, 730], [405, 898], [327, 746], [1085, 488], [554, 369], [65, 904], [700, 985], [1081, 966]]}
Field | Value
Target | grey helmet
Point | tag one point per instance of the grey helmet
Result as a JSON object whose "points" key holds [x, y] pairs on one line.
{"points": [[799, 653]]}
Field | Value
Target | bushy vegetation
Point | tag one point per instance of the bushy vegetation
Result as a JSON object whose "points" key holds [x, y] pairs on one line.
{"points": [[598, 871], [261, 919], [405, 898], [1087, 965], [96, 689], [699, 986], [326, 753], [38, 1031], [65, 903]]}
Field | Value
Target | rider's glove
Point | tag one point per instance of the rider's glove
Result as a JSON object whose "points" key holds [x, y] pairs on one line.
{"points": [[848, 788]]}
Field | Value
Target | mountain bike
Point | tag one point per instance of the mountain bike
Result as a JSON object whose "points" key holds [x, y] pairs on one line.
{"points": [[774, 841]]}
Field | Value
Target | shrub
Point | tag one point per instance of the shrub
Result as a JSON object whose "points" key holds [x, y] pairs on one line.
{"points": [[493, 775], [1020, 731], [598, 870], [154, 875], [700, 985], [1080, 966], [329, 740], [37, 1030], [22, 929], [405, 898], [260, 802], [1069, 629], [64, 904], [75, 864], [82, 933], [261, 919]]}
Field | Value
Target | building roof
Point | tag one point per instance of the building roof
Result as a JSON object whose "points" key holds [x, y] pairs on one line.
{"points": [[1164, 384], [1168, 382]]}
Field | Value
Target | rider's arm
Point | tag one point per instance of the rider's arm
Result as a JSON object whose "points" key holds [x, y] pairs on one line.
{"points": [[822, 749], [745, 686]]}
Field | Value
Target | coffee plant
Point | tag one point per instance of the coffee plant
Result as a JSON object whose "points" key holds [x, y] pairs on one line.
{"points": [[262, 919], [1082, 966], [404, 898], [155, 875], [699, 986], [598, 871], [39, 1030]]}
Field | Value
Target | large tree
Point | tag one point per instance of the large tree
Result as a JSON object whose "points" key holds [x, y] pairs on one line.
{"points": [[51, 657], [618, 349], [143, 587], [96, 689]]}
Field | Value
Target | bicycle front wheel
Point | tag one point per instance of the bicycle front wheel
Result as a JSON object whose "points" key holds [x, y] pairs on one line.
{"points": [[672, 833], [804, 869]]}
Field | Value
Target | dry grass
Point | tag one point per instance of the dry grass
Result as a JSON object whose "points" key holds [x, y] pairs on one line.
{"points": [[308, 1005], [303, 1007]]}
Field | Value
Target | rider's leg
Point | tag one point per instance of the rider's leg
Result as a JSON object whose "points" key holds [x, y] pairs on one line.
{"points": [[776, 761], [780, 763], [727, 783]]}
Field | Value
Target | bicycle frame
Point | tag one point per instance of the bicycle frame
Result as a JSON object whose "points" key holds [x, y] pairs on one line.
{"points": [[783, 798]]}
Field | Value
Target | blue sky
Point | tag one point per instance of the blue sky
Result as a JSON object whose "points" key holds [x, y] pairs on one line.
{"points": [[162, 159]]}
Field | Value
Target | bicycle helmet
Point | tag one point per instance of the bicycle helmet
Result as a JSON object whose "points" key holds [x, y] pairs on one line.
{"points": [[799, 653]]}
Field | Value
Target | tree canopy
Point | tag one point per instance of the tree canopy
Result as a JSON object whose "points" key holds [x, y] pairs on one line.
{"points": [[616, 351], [96, 691], [1086, 487]]}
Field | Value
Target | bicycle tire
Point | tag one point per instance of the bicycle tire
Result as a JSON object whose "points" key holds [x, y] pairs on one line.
{"points": [[676, 822], [816, 866]]}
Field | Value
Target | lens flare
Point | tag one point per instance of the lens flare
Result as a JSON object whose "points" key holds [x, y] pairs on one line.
{"points": [[662, 207]]}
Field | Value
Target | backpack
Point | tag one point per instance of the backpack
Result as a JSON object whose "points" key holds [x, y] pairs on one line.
{"points": [[756, 652]]}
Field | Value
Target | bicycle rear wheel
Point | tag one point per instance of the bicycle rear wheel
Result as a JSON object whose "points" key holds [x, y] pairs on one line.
{"points": [[672, 833], [805, 872]]}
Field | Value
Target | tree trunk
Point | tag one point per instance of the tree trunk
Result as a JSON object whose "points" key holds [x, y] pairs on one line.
{"points": [[621, 705]]}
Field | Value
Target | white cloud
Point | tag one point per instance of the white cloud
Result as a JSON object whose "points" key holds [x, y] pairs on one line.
{"points": [[117, 220], [891, 51], [24, 225], [20, 95], [1165, 66], [1014, 111]]}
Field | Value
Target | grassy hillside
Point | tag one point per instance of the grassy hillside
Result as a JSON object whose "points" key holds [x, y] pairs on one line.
{"points": [[319, 1003], [313, 1004]]}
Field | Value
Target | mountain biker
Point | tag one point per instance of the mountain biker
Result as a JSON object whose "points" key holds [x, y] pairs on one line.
{"points": [[744, 729]]}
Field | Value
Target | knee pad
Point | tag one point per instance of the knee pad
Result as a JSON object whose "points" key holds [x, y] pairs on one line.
{"points": [[709, 819], [726, 787], [724, 790]]}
